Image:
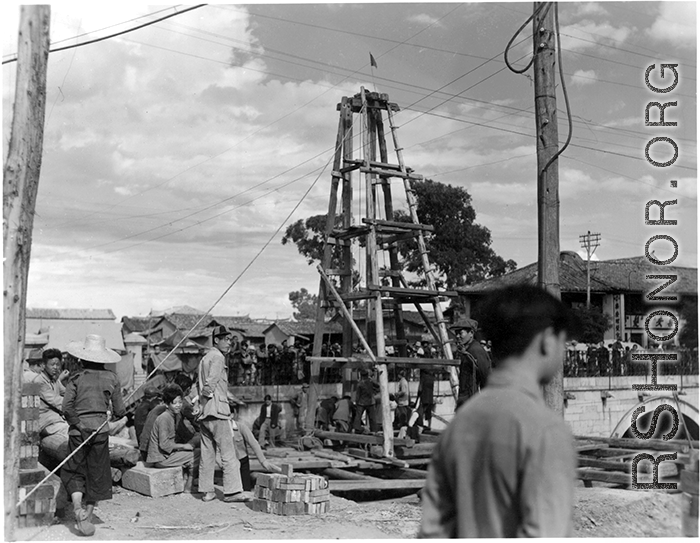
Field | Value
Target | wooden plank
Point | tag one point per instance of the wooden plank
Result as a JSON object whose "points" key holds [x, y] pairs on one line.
{"points": [[625, 467], [359, 362], [401, 291], [419, 450], [360, 438], [336, 473], [381, 484], [654, 444], [604, 476], [591, 447], [332, 455]]}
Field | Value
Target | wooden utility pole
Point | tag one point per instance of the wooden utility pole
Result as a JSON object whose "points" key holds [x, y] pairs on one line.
{"points": [[22, 168], [590, 242], [547, 174]]}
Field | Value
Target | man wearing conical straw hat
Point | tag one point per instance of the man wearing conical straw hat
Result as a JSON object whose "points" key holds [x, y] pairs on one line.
{"points": [[87, 400]]}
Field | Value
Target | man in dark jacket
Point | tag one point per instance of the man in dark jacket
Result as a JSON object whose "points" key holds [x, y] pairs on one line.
{"points": [[268, 420], [367, 388], [475, 363]]}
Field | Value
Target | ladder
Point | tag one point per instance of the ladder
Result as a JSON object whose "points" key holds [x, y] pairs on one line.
{"points": [[385, 289]]}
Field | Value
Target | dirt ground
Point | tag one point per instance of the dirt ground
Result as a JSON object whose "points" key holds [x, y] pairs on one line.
{"points": [[599, 512]]}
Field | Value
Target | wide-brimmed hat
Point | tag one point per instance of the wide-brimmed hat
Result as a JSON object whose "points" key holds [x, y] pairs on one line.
{"points": [[465, 323], [93, 349]]}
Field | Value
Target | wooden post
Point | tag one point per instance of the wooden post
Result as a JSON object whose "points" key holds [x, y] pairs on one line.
{"points": [[20, 187], [547, 180]]}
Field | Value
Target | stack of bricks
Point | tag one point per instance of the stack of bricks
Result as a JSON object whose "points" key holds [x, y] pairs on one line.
{"points": [[290, 494], [40, 507]]}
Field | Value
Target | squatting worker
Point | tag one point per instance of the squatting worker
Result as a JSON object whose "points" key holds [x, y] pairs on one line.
{"points": [[214, 426], [505, 466], [86, 401]]}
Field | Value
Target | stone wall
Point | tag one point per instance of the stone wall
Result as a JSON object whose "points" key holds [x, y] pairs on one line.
{"points": [[591, 413]]}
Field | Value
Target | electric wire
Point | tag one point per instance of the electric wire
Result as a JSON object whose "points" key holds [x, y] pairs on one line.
{"points": [[127, 31], [185, 336]]}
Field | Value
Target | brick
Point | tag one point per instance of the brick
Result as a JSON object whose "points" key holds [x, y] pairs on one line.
{"points": [[287, 469], [296, 508], [31, 476], [28, 463], [263, 506], [154, 482], [45, 491], [292, 486]]}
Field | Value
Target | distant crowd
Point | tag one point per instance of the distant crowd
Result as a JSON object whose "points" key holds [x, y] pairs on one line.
{"points": [[616, 361]]}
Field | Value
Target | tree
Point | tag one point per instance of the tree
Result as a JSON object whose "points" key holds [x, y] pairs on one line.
{"points": [[459, 248], [593, 323], [307, 235], [304, 303]]}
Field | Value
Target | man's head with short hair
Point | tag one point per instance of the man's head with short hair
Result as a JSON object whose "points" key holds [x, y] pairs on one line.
{"points": [[268, 399], [184, 382], [511, 318], [170, 393], [221, 338], [51, 360]]}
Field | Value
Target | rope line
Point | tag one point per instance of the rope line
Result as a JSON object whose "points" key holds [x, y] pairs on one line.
{"points": [[185, 336]]}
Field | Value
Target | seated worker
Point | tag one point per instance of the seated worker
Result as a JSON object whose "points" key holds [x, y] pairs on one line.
{"points": [[145, 435], [269, 422], [151, 398], [324, 413], [163, 451], [343, 414], [243, 438], [187, 430], [53, 428]]}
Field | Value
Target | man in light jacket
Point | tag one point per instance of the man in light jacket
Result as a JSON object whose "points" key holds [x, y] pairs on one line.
{"points": [[214, 422]]}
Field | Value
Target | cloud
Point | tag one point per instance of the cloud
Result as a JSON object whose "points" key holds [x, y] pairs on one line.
{"points": [[425, 20], [676, 24], [581, 78], [587, 34], [591, 8]]}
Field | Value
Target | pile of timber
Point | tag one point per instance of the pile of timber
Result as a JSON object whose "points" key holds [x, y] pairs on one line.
{"points": [[609, 460]]}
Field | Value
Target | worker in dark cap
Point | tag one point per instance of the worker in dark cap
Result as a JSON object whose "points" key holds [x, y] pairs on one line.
{"points": [[33, 366], [475, 363]]}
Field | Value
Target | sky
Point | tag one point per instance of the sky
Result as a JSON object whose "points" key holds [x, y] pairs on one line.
{"points": [[174, 156]]}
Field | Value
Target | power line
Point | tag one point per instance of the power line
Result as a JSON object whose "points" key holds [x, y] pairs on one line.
{"points": [[89, 42]]}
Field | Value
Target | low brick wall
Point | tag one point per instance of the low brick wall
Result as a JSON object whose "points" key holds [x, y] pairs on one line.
{"points": [[587, 414]]}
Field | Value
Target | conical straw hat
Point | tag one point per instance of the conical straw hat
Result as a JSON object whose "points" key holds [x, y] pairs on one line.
{"points": [[93, 349]]}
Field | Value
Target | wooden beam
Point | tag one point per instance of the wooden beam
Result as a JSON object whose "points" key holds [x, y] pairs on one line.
{"points": [[360, 438], [20, 185], [360, 362], [654, 444], [381, 484], [336, 473], [604, 476]]}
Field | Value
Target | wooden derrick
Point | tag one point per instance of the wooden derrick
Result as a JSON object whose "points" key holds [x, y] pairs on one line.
{"points": [[385, 288]]}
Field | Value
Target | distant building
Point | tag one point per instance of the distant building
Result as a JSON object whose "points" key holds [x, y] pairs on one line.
{"points": [[618, 288], [56, 328]]}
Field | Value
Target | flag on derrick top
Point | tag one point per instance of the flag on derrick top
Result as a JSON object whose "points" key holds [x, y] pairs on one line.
{"points": [[372, 62]]}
